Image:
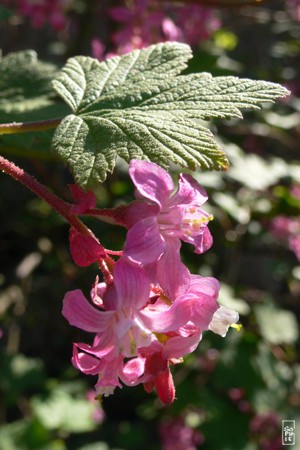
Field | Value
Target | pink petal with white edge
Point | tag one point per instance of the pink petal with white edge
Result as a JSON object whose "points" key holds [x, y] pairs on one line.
{"points": [[79, 313], [85, 363], [189, 192], [133, 370], [144, 243], [151, 181], [132, 285]]}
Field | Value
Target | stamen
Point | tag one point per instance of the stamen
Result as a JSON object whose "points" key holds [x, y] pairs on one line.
{"points": [[237, 326]]}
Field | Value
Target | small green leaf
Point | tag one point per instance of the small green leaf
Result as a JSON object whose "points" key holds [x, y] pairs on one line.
{"points": [[138, 106], [25, 82]]}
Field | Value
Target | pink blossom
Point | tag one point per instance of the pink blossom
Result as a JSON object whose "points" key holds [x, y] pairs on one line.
{"points": [[287, 229], [143, 22], [294, 7], [119, 326], [140, 25], [295, 191], [137, 321], [176, 435], [41, 12], [196, 22], [158, 220]]}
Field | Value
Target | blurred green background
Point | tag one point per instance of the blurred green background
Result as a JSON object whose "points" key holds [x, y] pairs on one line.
{"points": [[232, 393]]}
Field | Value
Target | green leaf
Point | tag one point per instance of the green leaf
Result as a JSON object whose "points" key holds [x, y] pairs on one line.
{"points": [[62, 411], [84, 79], [277, 326], [138, 106], [25, 82]]}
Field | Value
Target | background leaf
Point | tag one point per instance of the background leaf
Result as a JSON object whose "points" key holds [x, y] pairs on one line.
{"points": [[25, 82], [26, 95]]}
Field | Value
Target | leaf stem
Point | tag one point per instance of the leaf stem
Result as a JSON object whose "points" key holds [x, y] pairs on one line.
{"points": [[25, 127]]}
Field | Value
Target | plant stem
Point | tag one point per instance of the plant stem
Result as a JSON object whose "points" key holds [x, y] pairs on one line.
{"points": [[63, 208], [25, 127]]}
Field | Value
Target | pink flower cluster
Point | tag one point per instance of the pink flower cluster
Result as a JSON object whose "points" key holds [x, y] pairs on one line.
{"points": [[41, 12], [144, 22], [150, 312]]}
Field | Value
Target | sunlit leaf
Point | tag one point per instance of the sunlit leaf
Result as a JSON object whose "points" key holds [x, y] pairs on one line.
{"points": [[137, 106]]}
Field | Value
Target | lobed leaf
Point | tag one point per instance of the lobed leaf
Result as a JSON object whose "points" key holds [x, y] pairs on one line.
{"points": [[139, 106]]}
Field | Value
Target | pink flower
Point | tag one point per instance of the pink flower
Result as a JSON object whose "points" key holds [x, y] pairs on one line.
{"points": [[136, 321], [177, 435], [140, 25], [158, 220], [41, 12], [118, 325], [287, 229]]}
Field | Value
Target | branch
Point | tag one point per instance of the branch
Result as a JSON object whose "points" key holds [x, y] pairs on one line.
{"points": [[25, 127]]}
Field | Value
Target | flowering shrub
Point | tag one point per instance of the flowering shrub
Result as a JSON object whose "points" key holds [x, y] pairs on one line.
{"points": [[161, 264]]}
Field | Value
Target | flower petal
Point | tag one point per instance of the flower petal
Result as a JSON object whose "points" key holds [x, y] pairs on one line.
{"points": [[189, 192], [179, 313], [172, 274], [222, 319], [136, 211], [151, 181], [79, 313], [133, 370], [132, 285], [144, 243], [205, 290], [203, 241], [85, 363], [178, 346]]}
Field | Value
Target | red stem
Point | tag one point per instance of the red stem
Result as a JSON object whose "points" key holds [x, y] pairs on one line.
{"points": [[61, 207]]}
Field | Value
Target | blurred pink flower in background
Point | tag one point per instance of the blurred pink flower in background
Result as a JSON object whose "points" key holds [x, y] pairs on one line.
{"points": [[175, 434], [287, 230], [145, 22], [41, 12]]}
